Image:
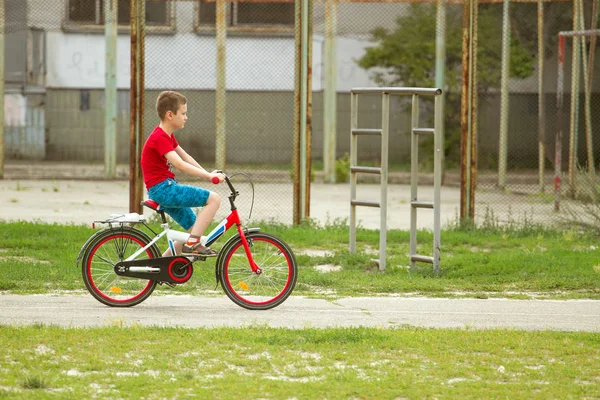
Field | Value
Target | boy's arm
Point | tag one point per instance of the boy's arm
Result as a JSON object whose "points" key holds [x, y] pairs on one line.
{"points": [[187, 167], [186, 157]]}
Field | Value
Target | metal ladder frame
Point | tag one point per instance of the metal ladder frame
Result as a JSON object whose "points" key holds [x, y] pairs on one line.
{"points": [[355, 169]]}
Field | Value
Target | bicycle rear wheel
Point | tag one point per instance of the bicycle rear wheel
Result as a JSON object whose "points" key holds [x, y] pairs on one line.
{"points": [[258, 291], [98, 262]]}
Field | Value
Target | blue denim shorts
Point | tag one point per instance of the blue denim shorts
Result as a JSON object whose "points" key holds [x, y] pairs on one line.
{"points": [[177, 200]]}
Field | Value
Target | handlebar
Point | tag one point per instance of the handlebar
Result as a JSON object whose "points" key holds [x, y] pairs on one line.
{"points": [[234, 193], [216, 181]]}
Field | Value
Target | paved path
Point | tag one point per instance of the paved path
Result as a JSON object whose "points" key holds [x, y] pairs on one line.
{"points": [[298, 312]]}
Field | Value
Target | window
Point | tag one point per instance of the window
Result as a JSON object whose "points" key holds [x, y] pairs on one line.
{"points": [[91, 13], [250, 16]]}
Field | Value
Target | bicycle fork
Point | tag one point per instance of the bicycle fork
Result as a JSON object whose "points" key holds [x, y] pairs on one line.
{"points": [[255, 268]]}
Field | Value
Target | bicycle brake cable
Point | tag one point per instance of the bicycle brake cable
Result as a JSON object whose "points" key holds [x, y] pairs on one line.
{"points": [[252, 186]]}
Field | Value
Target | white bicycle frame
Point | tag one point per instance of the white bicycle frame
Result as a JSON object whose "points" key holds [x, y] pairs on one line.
{"points": [[172, 235]]}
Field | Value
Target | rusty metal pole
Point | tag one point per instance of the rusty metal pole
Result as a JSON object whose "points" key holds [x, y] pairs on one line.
{"points": [[575, 77], [587, 105], [139, 183], [468, 146], [220, 94], [133, 102], [2, 38], [309, 58], [297, 97], [591, 59], [595, 16], [464, 110], [136, 126], [303, 108], [541, 102], [474, 110], [559, 122]]}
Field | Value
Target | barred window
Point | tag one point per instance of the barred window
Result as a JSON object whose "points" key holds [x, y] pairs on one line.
{"points": [[250, 15], [91, 12]]}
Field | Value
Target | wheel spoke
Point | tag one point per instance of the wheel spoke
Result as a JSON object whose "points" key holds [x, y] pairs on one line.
{"points": [[99, 274], [267, 289]]}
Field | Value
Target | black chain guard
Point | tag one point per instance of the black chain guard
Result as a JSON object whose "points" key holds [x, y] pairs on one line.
{"points": [[174, 269]]}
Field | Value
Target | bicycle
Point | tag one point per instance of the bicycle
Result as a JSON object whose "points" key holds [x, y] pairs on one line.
{"points": [[121, 265]]}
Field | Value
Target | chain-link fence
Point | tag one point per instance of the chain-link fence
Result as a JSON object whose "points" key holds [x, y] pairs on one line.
{"points": [[518, 120], [240, 81]]}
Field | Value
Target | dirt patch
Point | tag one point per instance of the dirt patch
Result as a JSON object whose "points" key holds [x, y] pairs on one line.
{"points": [[325, 268], [24, 259]]}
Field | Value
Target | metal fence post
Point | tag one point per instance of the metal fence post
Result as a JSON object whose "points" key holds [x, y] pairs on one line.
{"points": [[220, 96], [438, 157], [353, 161], [414, 166], [503, 145], [2, 38], [136, 127], [541, 100], [385, 134], [330, 92], [110, 90]]}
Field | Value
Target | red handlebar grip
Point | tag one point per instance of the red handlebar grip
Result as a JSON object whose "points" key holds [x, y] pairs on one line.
{"points": [[216, 180]]}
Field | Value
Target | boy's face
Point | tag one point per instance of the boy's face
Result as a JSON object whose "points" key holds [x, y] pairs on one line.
{"points": [[178, 120]]}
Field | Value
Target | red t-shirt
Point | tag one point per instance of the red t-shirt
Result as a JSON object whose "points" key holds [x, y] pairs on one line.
{"points": [[155, 166]]}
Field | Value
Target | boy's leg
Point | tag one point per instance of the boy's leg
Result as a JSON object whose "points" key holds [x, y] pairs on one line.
{"points": [[203, 219], [206, 215], [178, 199]]}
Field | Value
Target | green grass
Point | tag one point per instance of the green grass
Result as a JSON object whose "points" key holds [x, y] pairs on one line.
{"points": [[41, 258], [258, 362], [268, 363]]}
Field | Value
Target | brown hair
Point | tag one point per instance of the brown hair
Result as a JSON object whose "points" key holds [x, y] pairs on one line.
{"points": [[169, 101]]}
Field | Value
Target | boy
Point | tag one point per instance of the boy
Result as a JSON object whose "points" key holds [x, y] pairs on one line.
{"points": [[161, 152]]}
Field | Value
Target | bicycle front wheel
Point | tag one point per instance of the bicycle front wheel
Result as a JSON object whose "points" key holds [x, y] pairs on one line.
{"points": [[261, 291], [103, 253]]}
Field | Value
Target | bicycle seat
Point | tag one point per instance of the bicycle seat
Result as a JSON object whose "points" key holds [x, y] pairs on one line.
{"points": [[152, 205]]}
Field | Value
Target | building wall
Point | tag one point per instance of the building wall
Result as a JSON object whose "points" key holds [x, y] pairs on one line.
{"points": [[260, 83]]}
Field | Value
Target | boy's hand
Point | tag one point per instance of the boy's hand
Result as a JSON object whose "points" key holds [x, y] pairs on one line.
{"points": [[216, 177]]}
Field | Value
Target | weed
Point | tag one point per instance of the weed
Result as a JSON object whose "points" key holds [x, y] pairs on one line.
{"points": [[35, 381], [342, 169]]}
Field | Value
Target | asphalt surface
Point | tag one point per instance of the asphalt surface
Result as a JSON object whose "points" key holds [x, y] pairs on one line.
{"points": [[299, 312]]}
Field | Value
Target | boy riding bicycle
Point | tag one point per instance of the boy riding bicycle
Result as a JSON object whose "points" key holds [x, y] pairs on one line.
{"points": [[161, 152]]}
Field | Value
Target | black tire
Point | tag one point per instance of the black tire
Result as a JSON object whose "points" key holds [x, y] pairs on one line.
{"points": [[98, 261], [258, 291]]}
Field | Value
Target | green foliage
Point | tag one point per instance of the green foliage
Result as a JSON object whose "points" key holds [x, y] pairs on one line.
{"points": [[406, 57], [342, 169]]}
